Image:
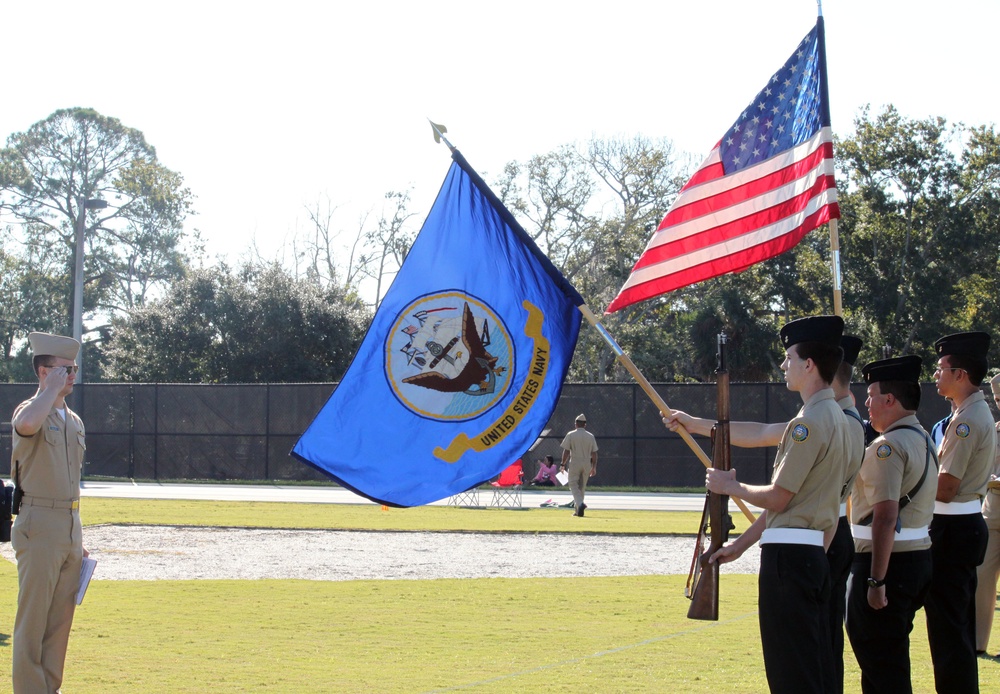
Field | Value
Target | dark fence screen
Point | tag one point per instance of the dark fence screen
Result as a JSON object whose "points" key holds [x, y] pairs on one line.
{"points": [[245, 432]]}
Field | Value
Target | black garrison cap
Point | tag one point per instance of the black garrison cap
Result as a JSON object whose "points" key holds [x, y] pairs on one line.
{"points": [[895, 369], [966, 344], [826, 329], [851, 345]]}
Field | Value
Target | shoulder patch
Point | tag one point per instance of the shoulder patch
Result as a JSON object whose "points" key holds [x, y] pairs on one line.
{"points": [[883, 451], [962, 430], [800, 433]]}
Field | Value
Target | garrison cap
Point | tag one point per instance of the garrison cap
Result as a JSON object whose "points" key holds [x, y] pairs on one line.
{"points": [[826, 329], [974, 344], [895, 369], [581, 417], [45, 344], [852, 347], [995, 386]]}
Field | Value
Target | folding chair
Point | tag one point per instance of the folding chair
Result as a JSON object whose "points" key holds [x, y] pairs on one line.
{"points": [[507, 488], [470, 497]]}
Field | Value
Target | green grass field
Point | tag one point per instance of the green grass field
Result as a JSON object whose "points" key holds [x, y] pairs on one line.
{"points": [[592, 634]]}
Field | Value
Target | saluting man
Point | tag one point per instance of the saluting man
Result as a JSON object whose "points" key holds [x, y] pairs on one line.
{"points": [[48, 448], [891, 509], [801, 507], [958, 531]]}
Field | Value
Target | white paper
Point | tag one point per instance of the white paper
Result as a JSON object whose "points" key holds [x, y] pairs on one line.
{"points": [[563, 477], [86, 571]]}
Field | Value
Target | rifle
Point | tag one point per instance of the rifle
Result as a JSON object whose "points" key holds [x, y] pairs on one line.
{"points": [[704, 575]]}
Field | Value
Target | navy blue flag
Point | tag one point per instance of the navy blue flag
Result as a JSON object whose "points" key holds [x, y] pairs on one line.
{"points": [[463, 363]]}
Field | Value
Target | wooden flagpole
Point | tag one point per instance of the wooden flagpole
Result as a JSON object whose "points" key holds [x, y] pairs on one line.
{"points": [[630, 366]]}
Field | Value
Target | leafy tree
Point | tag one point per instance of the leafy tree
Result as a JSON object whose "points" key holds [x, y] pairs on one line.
{"points": [[255, 323], [31, 284], [131, 246], [920, 229]]}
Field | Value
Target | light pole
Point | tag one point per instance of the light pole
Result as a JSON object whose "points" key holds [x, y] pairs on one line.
{"points": [[81, 227]]}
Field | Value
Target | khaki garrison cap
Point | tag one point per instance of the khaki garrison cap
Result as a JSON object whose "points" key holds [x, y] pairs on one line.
{"points": [[44, 344]]}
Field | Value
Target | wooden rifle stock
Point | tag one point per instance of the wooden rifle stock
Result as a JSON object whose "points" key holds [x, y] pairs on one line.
{"points": [[705, 595]]}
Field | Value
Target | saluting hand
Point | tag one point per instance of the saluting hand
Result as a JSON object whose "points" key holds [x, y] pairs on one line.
{"points": [[55, 377]]}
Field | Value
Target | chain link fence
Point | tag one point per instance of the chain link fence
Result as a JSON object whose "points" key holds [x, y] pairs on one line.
{"points": [[245, 432]]}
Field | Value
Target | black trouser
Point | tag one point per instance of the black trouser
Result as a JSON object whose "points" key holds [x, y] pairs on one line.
{"points": [[881, 638], [958, 545], [840, 555], [794, 613]]}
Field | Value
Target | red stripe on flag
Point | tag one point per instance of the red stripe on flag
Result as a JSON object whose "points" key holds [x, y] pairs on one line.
{"points": [[735, 228], [799, 169], [709, 172], [727, 264]]}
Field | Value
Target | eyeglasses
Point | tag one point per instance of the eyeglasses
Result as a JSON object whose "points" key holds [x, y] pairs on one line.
{"points": [[942, 369], [71, 369]]}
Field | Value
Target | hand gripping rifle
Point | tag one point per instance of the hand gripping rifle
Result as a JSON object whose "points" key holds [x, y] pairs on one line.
{"points": [[703, 580]]}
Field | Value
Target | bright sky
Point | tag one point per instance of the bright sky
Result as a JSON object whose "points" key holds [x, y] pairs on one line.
{"points": [[266, 108]]}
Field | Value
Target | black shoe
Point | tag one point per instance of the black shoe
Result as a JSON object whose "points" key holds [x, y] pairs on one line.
{"points": [[583, 507]]}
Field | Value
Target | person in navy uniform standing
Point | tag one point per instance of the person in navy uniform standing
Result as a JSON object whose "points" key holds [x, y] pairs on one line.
{"points": [[801, 508], [891, 509], [958, 532], [840, 549]]}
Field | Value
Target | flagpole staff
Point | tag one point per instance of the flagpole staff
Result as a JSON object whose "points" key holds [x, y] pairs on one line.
{"points": [[630, 366], [835, 263], [838, 308]]}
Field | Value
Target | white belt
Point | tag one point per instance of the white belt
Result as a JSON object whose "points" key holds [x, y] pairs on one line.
{"points": [[843, 509], [864, 532], [792, 536], [957, 508]]}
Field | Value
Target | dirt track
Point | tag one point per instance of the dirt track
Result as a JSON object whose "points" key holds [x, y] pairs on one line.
{"points": [[158, 553]]}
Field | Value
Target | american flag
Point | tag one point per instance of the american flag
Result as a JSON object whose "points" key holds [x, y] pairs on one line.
{"points": [[765, 185]]}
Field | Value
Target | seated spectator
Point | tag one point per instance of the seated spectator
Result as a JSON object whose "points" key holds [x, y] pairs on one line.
{"points": [[547, 470]]}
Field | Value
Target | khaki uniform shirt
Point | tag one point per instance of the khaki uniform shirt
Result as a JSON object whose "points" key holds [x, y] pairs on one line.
{"points": [[811, 463], [50, 462], [969, 447], [856, 452], [991, 504], [893, 465], [580, 443]]}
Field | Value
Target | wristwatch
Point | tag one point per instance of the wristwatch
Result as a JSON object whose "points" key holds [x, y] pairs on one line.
{"points": [[875, 583]]}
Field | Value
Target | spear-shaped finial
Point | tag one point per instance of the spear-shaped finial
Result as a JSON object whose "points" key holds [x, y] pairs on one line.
{"points": [[439, 131]]}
